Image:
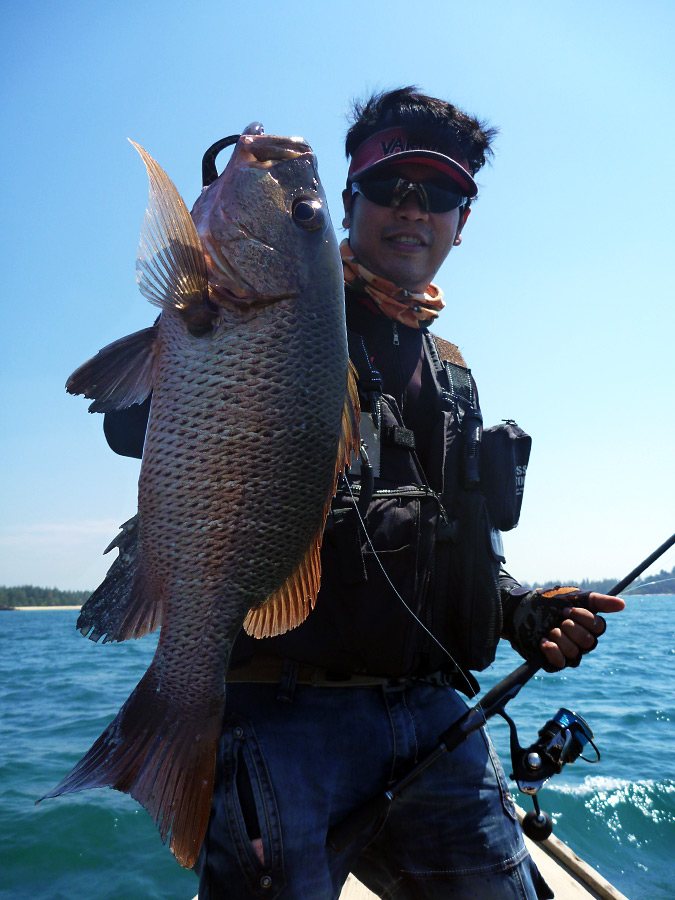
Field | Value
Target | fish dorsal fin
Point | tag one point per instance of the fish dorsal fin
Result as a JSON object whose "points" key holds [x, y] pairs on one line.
{"points": [[291, 604], [120, 374], [170, 268]]}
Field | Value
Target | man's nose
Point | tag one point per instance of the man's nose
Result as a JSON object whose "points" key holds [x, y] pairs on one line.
{"points": [[411, 207]]}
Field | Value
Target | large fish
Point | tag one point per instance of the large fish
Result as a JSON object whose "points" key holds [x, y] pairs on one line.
{"points": [[253, 416]]}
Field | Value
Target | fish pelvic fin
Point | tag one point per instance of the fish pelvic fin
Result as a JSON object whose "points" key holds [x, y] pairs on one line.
{"points": [[170, 268], [291, 604], [120, 374], [124, 605], [164, 756]]}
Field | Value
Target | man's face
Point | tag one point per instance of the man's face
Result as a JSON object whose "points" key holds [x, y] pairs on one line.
{"points": [[403, 244]]}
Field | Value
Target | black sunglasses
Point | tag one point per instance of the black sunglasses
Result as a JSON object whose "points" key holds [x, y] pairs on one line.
{"points": [[432, 197]]}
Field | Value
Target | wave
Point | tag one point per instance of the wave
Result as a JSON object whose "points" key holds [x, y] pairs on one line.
{"points": [[636, 813], [602, 784]]}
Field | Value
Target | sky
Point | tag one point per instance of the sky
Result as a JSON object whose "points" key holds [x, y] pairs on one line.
{"points": [[560, 296]]}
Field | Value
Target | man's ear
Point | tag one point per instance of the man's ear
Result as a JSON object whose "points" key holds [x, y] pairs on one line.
{"points": [[462, 222], [347, 203]]}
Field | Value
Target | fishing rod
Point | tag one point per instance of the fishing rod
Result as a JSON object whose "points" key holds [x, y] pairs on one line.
{"points": [[560, 741], [638, 570]]}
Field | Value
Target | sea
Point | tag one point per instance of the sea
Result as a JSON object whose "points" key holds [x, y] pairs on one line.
{"points": [[58, 691]]}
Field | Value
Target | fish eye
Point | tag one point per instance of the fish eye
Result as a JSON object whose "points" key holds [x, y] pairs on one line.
{"points": [[308, 213]]}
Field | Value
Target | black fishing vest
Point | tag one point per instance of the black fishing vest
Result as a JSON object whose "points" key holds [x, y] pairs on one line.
{"points": [[410, 556], [404, 534]]}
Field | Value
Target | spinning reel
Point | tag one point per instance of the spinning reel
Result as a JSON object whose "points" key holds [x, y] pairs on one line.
{"points": [[562, 740]]}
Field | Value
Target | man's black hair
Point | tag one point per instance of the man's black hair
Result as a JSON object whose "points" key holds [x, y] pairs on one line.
{"points": [[427, 119]]}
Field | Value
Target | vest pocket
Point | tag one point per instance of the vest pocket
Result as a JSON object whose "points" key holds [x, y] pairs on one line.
{"points": [[473, 608], [365, 572], [399, 524]]}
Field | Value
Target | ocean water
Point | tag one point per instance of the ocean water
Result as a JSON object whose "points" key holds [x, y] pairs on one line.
{"points": [[58, 691]]}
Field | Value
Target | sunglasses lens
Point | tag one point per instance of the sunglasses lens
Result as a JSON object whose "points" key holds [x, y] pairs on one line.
{"points": [[381, 192], [442, 199], [392, 191]]}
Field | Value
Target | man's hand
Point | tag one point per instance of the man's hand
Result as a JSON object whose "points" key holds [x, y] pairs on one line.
{"points": [[579, 631], [562, 622]]}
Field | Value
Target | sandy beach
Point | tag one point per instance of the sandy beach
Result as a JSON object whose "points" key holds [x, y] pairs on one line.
{"points": [[32, 608]]}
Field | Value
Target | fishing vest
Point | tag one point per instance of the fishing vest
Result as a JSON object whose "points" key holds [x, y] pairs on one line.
{"points": [[411, 555]]}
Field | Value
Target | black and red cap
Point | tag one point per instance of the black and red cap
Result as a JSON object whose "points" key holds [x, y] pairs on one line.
{"points": [[393, 146]]}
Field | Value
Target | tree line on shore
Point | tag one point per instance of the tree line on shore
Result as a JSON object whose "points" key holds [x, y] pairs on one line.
{"points": [[663, 583], [29, 595]]}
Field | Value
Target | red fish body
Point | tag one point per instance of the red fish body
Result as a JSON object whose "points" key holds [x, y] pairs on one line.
{"points": [[253, 416]]}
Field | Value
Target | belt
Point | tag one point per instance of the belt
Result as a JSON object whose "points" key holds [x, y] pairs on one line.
{"points": [[273, 669]]}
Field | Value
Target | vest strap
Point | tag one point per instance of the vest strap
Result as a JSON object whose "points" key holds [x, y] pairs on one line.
{"points": [[370, 380], [452, 376]]}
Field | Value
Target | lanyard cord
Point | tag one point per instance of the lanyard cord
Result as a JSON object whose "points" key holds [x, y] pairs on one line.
{"points": [[396, 592]]}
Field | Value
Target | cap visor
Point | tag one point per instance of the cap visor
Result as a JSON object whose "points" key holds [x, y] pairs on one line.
{"points": [[437, 161]]}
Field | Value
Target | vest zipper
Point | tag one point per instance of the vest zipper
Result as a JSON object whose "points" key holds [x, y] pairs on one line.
{"points": [[394, 328]]}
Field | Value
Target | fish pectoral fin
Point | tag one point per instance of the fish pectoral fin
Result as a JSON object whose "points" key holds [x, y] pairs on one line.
{"points": [[120, 374], [124, 605], [164, 756], [170, 267], [291, 604]]}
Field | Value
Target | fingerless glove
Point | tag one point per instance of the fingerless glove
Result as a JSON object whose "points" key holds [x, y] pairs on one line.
{"points": [[530, 615]]}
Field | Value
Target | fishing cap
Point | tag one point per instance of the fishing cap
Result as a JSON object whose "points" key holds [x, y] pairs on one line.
{"points": [[393, 145]]}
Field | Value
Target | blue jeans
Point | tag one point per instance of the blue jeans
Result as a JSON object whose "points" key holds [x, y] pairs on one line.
{"points": [[291, 766]]}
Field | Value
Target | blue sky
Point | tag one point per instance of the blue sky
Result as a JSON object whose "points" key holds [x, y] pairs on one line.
{"points": [[561, 295]]}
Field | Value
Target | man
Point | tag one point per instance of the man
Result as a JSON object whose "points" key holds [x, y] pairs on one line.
{"points": [[323, 718]]}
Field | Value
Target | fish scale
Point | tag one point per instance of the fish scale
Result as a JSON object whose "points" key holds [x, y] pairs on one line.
{"points": [[254, 414], [255, 434]]}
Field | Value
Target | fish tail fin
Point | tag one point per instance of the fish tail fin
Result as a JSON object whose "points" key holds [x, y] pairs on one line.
{"points": [[164, 756]]}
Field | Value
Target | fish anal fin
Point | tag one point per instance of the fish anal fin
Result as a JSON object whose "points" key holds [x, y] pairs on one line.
{"points": [[164, 756], [142, 612], [126, 604], [120, 374], [349, 435], [291, 604]]}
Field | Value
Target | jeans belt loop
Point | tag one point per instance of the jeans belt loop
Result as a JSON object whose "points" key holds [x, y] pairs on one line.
{"points": [[289, 678]]}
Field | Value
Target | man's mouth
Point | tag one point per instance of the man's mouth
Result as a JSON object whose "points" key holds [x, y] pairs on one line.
{"points": [[411, 240]]}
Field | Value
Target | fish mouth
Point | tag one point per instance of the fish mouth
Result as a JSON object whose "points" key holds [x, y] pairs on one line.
{"points": [[228, 286], [269, 149], [261, 147], [248, 301], [247, 234]]}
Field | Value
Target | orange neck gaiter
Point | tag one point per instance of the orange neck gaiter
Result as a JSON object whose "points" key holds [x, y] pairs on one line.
{"points": [[417, 310]]}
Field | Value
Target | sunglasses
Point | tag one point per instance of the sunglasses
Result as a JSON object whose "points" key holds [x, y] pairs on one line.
{"points": [[432, 197]]}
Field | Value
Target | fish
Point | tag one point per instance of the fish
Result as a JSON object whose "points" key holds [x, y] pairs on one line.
{"points": [[254, 415]]}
